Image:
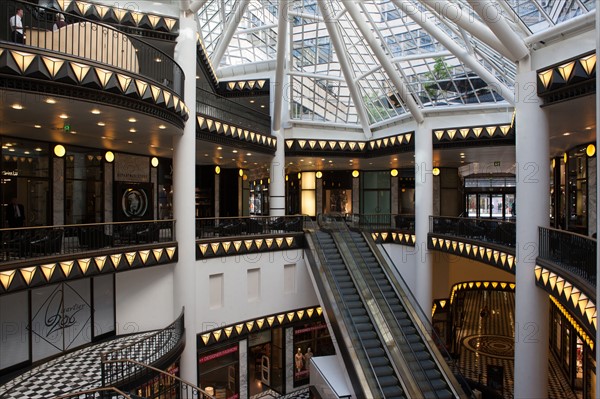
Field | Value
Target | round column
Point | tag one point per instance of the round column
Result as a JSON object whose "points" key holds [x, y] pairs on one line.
{"points": [[533, 208], [184, 181], [277, 175], [423, 209]]}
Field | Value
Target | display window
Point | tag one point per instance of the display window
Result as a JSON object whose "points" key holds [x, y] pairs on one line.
{"points": [[161, 386], [219, 372], [309, 340]]}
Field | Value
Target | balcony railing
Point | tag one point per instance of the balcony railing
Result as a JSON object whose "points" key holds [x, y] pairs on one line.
{"points": [[101, 393], [83, 38], [221, 108], [148, 350], [489, 230], [373, 222], [573, 252], [33, 242], [255, 225]]}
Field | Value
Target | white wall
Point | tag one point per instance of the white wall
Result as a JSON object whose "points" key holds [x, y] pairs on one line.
{"points": [[405, 260], [265, 290], [144, 299]]}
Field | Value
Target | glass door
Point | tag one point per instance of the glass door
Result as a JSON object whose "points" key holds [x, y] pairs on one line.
{"points": [[472, 205], [484, 206], [497, 206]]}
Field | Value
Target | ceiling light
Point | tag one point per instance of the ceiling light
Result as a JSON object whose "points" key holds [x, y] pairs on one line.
{"points": [[152, 146], [262, 106], [132, 120], [158, 59], [103, 137], [162, 127], [251, 101], [17, 106], [50, 101], [72, 132], [109, 156], [220, 157], [37, 126], [129, 142], [566, 134], [59, 151], [11, 149], [63, 116], [101, 124], [589, 128], [235, 151], [38, 149], [219, 148], [197, 77], [96, 112], [249, 153], [26, 152], [132, 130]]}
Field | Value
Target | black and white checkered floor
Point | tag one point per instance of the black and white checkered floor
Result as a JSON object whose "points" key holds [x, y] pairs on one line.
{"points": [[73, 372], [490, 341]]}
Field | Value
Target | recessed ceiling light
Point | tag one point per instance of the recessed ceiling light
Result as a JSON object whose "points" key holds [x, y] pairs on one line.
{"points": [[37, 126], [252, 101], [129, 142], [72, 132], [132, 120], [205, 155], [38, 149], [4, 147], [63, 116], [132, 130], [220, 157], [330, 161], [162, 127], [589, 128], [26, 152], [11, 149], [16, 106], [235, 151], [219, 148], [96, 112], [152, 146], [197, 77], [262, 106], [395, 159], [101, 124], [249, 153], [158, 59], [50, 101], [566, 134], [103, 137], [245, 161]]}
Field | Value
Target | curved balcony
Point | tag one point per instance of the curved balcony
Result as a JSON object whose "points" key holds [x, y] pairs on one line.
{"points": [[49, 254], [85, 53]]}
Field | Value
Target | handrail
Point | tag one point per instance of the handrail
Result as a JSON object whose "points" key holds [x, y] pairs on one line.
{"points": [[33, 242], [84, 38], [341, 300], [149, 349], [186, 389], [573, 252], [378, 221], [395, 330], [92, 393], [500, 232], [249, 225]]}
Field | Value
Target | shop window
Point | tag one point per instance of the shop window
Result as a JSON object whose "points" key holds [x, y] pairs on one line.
{"points": [[309, 340], [161, 386], [219, 372], [84, 199]]}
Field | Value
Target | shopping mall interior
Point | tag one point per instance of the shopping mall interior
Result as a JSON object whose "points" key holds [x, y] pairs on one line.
{"points": [[252, 199]]}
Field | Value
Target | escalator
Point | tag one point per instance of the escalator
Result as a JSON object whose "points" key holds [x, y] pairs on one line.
{"points": [[384, 344]]}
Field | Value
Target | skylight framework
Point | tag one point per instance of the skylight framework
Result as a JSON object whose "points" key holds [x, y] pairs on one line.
{"points": [[321, 89]]}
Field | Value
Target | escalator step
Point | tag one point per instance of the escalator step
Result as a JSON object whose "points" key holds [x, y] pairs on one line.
{"points": [[371, 343], [393, 392], [364, 327], [383, 371], [387, 381], [379, 361], [358, 312], [368, 335], [375, 352]]}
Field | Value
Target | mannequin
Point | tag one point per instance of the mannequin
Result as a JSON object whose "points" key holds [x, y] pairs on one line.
{"points": [[299, 360], [307, 356]]}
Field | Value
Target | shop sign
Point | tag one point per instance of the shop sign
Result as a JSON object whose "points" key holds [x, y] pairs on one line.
{"points": [[219, 354]]}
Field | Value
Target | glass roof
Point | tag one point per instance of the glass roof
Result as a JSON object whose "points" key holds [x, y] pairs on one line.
{"points": [[320, 87]]}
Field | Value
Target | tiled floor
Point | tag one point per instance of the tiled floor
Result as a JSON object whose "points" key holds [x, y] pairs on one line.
{"points": [[74, 372], [490, 341]]}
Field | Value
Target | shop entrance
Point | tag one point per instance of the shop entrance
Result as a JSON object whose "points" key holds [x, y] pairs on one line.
{"points": [[265, 365]]}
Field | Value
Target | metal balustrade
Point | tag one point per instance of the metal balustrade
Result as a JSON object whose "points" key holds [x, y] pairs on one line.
{"points": [[148, 350], [168, 385], [489, 230], [376, 222], [33, 242], [252, 225], [97, 42], [573, 252]]}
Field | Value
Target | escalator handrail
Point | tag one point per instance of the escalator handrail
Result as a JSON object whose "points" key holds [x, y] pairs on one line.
{"points": [[421, 318], [344, 230], [323, 260]]}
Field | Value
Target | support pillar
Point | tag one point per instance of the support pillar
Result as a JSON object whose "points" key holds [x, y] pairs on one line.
{"points": [[184, 161], [533, 187], [423, 209], [277, 175]]}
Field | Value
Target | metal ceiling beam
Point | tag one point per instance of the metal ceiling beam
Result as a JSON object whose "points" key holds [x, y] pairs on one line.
{"points": [[229, 31], [386, 63], [342, 55], [454, 13], [196, 6], [497, 23], [419, 18]]}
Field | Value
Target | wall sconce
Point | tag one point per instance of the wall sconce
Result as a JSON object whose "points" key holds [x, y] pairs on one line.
{"points": [[590, 150], [394, 172], [355, 173], [109, 156], [319, 174], [299, 175], [59, 150], [241, 172], [565, 157], [436, 171], [269, 180], [553, 163], [286, 177], [217, 170], [154, 162]]}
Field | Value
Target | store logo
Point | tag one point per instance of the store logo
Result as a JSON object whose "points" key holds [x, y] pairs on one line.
{"points": [[134, 202], [55, 318]]}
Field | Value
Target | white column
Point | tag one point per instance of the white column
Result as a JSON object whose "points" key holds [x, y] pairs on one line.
{"points": [[277, 175], [423, 209], [184, 181], [533, 208]]}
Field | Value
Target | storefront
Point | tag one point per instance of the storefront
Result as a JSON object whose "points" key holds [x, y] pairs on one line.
{"points": [[490, 196], [161, 386]]}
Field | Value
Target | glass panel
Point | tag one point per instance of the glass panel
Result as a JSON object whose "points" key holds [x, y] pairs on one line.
{"points": [[104, 305], [511, 206], [218, 371], [384, 202], [369, 203], [338, 201], [472, 205], [83, 190], [14, 315], [484, 206], [46, 317], [375, 180], [579, 365], [497, 205], [77, 314]]}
